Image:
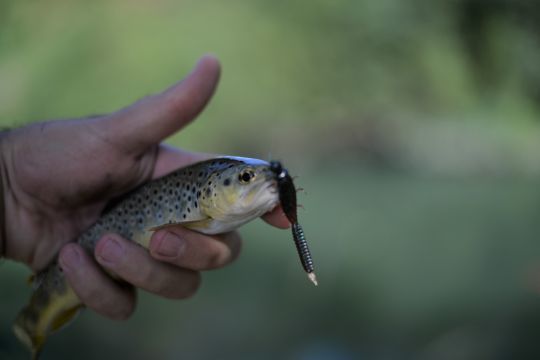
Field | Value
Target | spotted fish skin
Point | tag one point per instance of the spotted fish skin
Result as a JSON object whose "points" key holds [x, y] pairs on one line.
{"points": [[171, 199], [210, 197]]}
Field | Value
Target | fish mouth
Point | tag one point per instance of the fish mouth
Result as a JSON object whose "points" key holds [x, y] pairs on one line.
{"points": [[272, 186], [270, 192], [268, 187]]}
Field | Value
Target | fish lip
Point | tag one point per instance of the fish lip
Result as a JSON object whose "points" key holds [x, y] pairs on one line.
{"points": [[273, 186], [270, 186]]}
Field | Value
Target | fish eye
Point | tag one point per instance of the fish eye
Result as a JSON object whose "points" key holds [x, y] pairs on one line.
{"points": [[246, 176]]}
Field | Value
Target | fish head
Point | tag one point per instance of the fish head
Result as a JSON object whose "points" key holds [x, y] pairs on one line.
{"points": [[243, 190]]}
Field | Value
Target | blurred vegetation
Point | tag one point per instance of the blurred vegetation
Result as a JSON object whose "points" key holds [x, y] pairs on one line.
{"points": [[413, 126]]}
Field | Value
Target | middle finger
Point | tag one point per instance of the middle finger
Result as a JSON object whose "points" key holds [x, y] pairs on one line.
{"points": [[133, 264]]}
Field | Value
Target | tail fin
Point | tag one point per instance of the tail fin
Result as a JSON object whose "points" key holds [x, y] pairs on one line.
{"points": [[52, 306]]}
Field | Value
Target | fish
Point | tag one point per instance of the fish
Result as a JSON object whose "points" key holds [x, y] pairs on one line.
{"points": [[212, 197]]}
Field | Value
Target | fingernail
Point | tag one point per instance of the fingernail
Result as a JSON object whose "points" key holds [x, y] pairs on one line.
{"points": [[70, 258], [111, 251], [169, 244]]}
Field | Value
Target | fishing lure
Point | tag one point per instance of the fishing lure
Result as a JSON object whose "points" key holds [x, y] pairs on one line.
{"points": [[287, 198]]}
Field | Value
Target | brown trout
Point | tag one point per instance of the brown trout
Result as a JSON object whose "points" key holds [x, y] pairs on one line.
{"points": [[213, 196]]}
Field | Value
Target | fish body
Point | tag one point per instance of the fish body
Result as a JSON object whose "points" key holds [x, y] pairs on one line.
{"points": [[213, 196]]}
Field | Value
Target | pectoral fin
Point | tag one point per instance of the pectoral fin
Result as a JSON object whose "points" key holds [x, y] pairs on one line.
{"points": [[195, 225]]}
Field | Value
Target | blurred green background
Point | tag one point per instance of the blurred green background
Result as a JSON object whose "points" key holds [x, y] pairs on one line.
{"points": [[413, 127]]}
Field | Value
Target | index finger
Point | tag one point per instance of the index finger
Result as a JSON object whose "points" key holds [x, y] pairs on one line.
{"points": [[277, 218]]}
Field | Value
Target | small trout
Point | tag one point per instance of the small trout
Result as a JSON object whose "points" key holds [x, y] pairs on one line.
{"points": [[211, 197]]}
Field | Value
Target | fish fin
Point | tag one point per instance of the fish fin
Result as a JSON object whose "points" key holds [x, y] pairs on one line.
{"points": [[65, 317], [195, 224], [163, 226], [49, 310], [199, 225], [35, 354]]}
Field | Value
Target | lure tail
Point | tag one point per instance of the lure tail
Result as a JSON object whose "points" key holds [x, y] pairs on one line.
{"points": [[52, 306], [303, 252]]}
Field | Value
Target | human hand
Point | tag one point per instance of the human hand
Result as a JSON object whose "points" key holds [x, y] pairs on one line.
{"points": [[58, 177]]}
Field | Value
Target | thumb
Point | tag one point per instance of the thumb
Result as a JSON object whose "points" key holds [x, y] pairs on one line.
{"points": [[150, 120]]}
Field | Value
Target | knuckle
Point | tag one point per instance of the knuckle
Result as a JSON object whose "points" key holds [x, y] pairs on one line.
{"points": [[227, 251], [217, 258], [194, 284], [143, 275], [115, 306], [125, 312], [90, 297], [189, 287], [235, 245]]}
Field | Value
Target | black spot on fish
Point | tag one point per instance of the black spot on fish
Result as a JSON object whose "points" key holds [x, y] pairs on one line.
{"points": [[184, 216], [227, 182], [189, 198], [195, 204], [198, 194], [188, 210]]}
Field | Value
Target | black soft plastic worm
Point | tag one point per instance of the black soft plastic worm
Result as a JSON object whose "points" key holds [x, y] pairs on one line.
{"points": [[287, 198]]}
